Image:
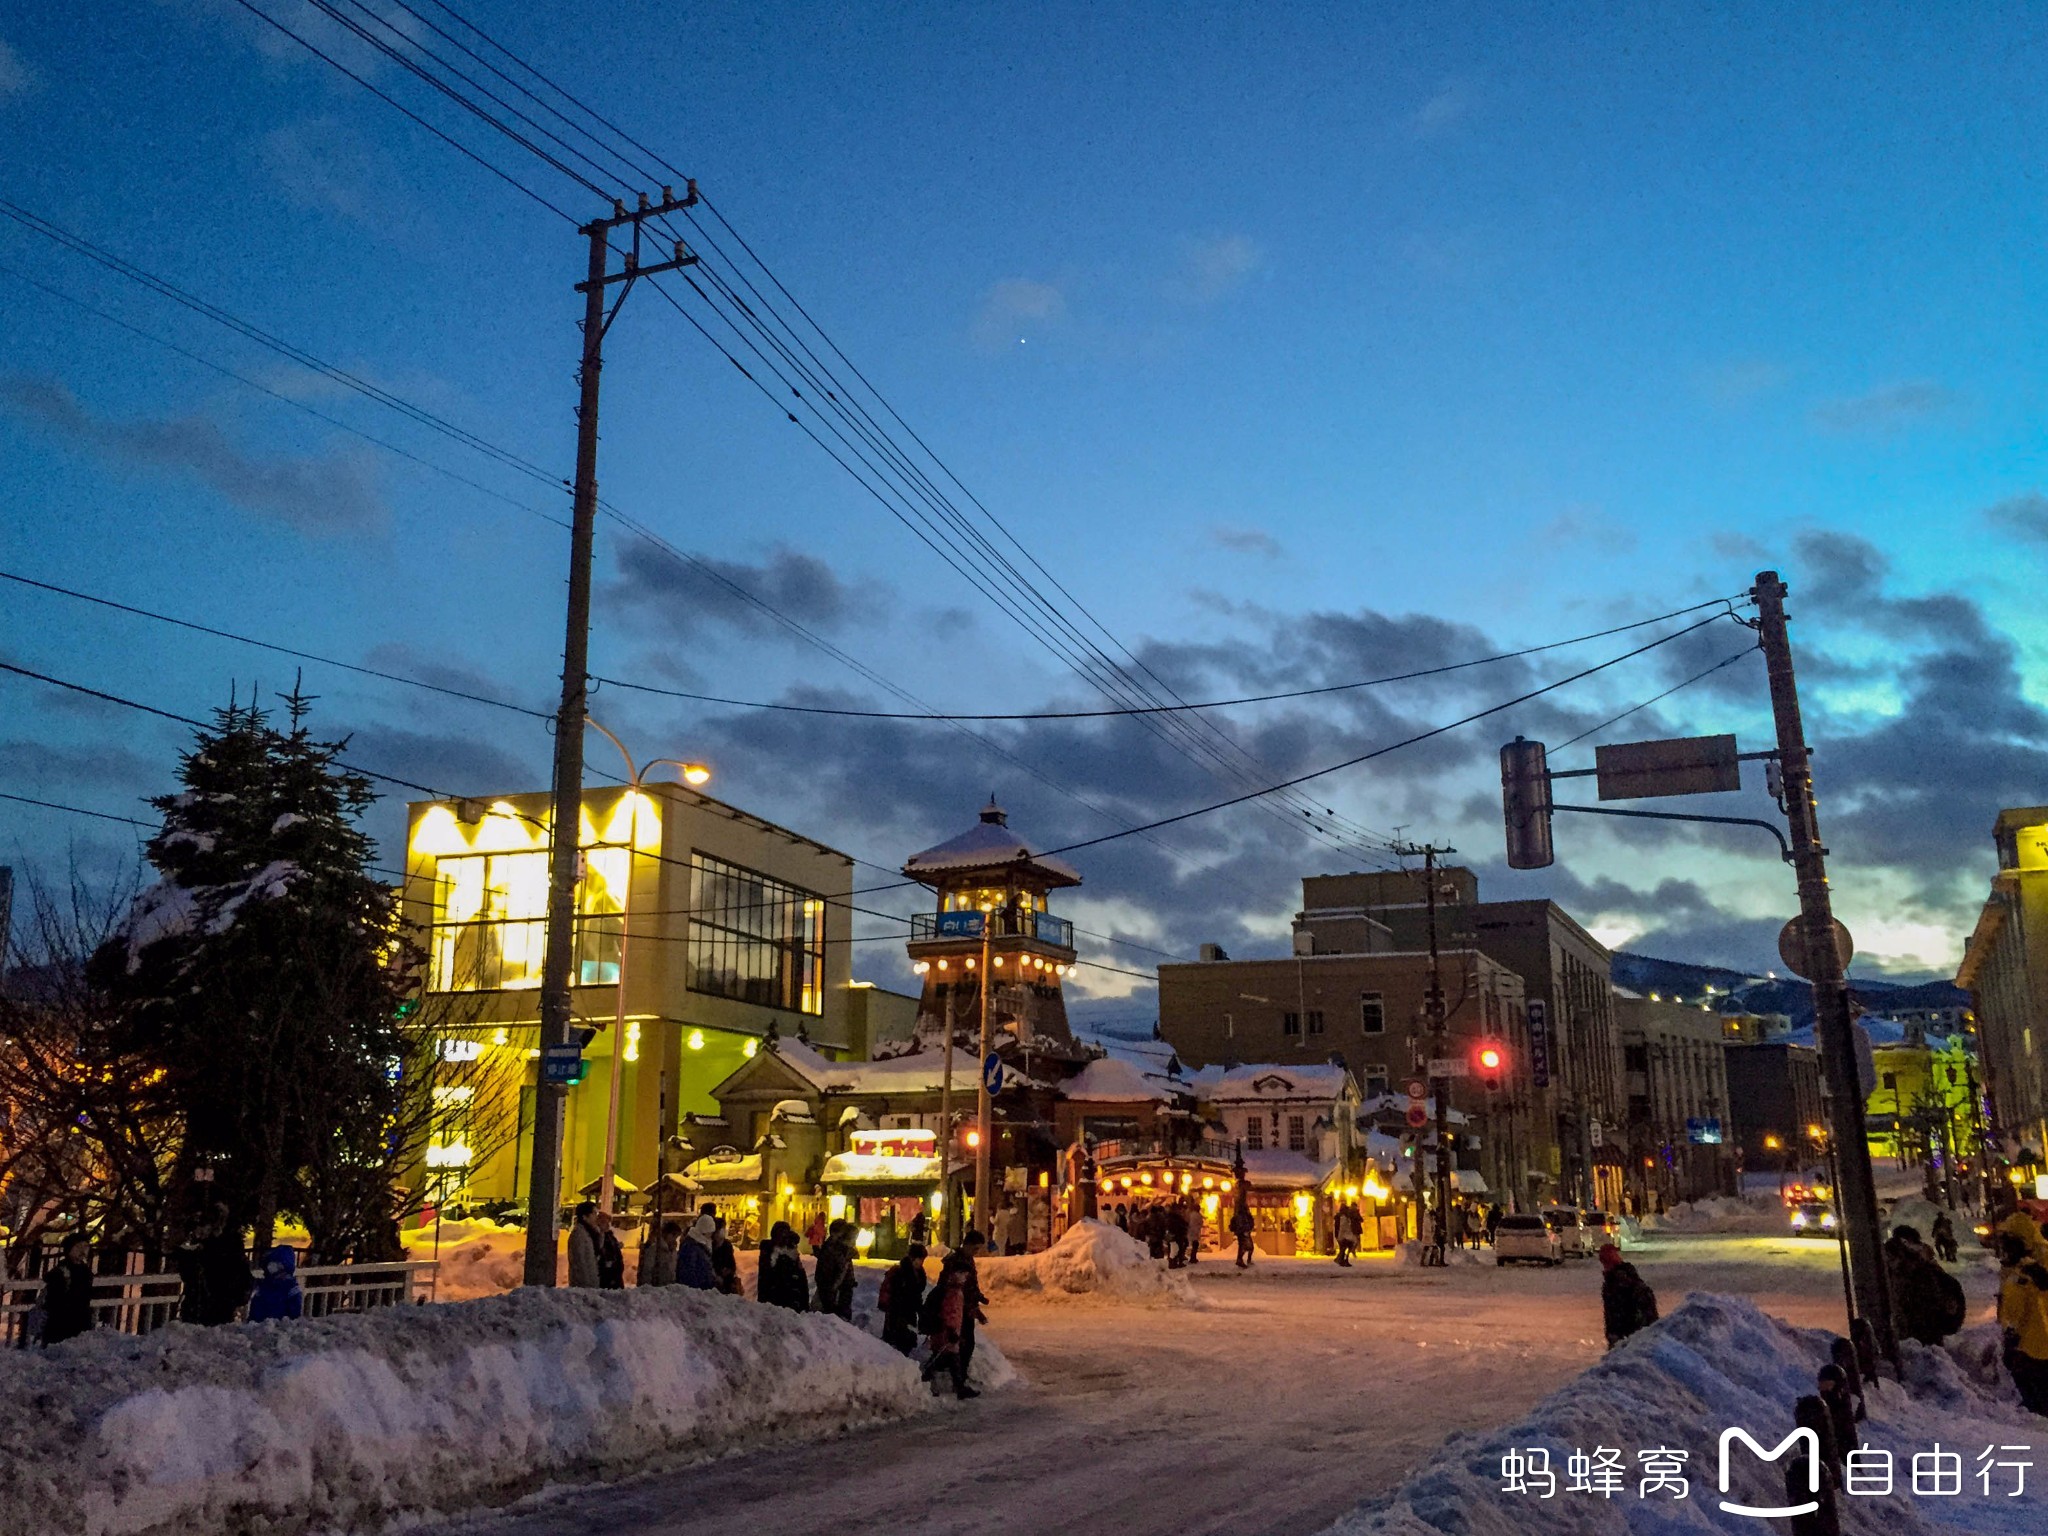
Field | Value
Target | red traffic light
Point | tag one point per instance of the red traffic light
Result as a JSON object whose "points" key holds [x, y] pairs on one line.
{"points": [[1490, 1058]]}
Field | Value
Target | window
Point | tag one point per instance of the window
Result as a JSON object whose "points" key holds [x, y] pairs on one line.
{"points": [[1297, 1133], [754, 938], [1377, 1081], [1372, 1013], [1290, 1024], [490, 921], [1254, 1133], [1315, 1021]]}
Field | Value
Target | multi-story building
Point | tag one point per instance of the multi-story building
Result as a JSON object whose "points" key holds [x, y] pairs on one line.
{"points": [[1348, 996], [722, 928], [2005, 970], [1575, 1089], [1774, 1102], [1677, 1078]]}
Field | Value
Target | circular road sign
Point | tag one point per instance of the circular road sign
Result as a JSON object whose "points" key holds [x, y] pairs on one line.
{"points": [[1417, 1116], [1792, 947], [1416, 1089]]}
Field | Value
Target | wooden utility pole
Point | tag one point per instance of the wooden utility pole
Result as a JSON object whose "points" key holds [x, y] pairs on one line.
{"points": [[544, 1191], [948, 1200], [1439, 1087], [1855, 1188], [983, 1104]]}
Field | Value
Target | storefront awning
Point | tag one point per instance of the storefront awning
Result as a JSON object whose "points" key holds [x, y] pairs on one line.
{"points": [[871, 1168], [1467, 1182]]}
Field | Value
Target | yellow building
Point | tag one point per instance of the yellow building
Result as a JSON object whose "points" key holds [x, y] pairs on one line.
{"points": [[726, 927], [2005, 970]]}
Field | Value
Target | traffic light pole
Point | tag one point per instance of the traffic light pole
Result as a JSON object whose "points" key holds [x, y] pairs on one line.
{"points": [[1856, 1187], [564, 855]]}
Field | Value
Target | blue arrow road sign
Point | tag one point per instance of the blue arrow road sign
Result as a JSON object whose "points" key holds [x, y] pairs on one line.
{"points": [[992, 1073]]}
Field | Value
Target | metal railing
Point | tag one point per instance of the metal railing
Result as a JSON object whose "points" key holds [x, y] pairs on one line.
{"points": [[144, 1303], [1042, 926], [1209, 1148]]}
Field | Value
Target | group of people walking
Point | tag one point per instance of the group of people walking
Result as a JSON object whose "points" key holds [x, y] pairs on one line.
{"points": [[1169, 1229]]}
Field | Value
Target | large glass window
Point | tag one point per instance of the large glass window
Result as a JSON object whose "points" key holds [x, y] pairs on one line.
{"points": [[754, 938], [490, 928]]}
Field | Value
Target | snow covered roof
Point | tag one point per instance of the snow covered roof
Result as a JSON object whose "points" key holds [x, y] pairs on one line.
{"points": [[916, 1072], [726, 1170], [1269, 1081], [1275, 1168], [1112, 1080], [872, 1168], [988, 844]]}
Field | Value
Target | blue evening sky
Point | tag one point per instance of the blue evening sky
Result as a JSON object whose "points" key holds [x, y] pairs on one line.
{"points": [[1245, 320]]}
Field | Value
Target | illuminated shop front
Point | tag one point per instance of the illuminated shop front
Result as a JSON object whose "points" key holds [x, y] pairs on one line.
{"points": [[882, 1183]]}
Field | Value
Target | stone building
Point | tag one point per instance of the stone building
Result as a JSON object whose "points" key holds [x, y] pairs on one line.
{"points": [[1678, 1135], [2005, 970]]}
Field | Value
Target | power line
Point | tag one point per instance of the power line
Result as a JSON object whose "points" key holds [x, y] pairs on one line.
{"points": [[1658, 698]]}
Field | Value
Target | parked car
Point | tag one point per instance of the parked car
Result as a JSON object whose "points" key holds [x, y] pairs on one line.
{"points": [[1813, 1218], [1526, 1240], [1563, 1221], [1597, 1227]]}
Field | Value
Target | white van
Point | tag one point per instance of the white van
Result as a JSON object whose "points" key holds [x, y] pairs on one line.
{"points": [[1525, 1240]]}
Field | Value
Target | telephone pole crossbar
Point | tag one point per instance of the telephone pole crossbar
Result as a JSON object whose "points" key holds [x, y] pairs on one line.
{"points": [[564, 856]]}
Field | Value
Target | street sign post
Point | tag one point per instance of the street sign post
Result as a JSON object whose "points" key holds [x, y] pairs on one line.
{"points": [[1684, 765], [1449, 1066], [1418, 1090], [1418, 1116], [1792, 948]]}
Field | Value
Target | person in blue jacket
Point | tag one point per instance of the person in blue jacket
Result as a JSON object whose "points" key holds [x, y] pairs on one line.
{"points": [[278, 1293]]}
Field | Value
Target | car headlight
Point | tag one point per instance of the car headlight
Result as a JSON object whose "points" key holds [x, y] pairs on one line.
{"points": [[1827, 1221], [1798, 1218]]}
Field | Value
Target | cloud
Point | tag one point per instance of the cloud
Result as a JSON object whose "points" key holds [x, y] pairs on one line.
{"points": [[50, 768], [688, 600], [1588, 525], [323, 165], [334, 493], [1246, 541], [1451, 105], [1742, 379], [1214, 267], [2024, 517], [1883, 411], [1016, 309], [16, 78]]}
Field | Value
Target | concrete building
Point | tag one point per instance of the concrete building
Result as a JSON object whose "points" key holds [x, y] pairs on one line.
{"points": [[1576, 1100], [727, 928], [2005, 970], [1774, 1105], [1348, 996], [1678, 1139]]}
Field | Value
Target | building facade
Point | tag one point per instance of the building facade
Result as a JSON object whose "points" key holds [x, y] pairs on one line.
{"points": [[723, 929], [1679, 1146], [1774, 1104], [2005, 970]]}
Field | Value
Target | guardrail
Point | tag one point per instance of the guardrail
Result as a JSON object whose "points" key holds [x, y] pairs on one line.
{"points": [[144, 1303], [1042, 926]]}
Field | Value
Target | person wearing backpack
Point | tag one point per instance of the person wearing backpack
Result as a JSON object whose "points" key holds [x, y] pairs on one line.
{"points": [[1928, 1300], [944, 1320], [782, 1282], [902, 1300], [1627, 1304]]}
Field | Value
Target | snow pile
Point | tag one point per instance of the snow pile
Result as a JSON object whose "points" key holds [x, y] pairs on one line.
{"points": [[1091, 1258], [1410, 1253], [349, 1421], [1755, 1215], [1717, 1363]]}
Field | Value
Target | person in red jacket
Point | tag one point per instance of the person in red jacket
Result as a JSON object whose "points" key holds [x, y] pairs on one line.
{"points": [[945, 1323]]}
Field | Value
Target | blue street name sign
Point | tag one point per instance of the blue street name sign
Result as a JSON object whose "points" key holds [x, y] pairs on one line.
{"points": [[561, 1064], [960, 925]]}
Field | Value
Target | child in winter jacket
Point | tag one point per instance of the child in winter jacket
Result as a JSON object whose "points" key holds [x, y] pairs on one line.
{"points": [[278, 1294]]}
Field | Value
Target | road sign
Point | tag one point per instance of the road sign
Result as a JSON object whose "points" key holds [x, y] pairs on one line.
{"points": [[1417, 1116], [1595, 1134], [1684, 765], [561, 1064], [1449, 1066], [959, 925], [1792, 947], [1418, 1090], [992, 1073], [1539, 1042]]}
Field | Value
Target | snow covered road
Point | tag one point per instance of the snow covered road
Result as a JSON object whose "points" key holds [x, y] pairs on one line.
{"points": [[1297, 1390]]}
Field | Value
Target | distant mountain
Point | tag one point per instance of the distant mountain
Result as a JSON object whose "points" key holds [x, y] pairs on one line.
{"points": [[1776, 994]]}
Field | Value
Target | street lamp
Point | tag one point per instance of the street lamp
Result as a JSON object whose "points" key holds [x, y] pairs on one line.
{"points": [[687, 773]]}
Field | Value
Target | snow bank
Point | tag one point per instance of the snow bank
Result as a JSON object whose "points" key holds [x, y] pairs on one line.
{"points": [[1091, 1258], [1716, 1363], [1410, 1253], [347, 1422], [1756, 1215]]}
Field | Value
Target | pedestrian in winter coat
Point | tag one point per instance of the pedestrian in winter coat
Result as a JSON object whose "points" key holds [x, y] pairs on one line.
{"points": [[2023, 1314], [834, 1277], [817, 1232], [67, 1292], [725, 1264], [1926, 1299], [1492, 1222], [1626, 1301], [693, 1256], [586, 1242], [945, 1322], [902, 1299], [278, 1295], [781, 1282], [1241, 1229], [1123, 1219], [1350, 1228], [658, 1255], [1176, 1223], [1803, 1478], [921, 1227], [1944, 1235], [213, 1271], [972, 1246]]}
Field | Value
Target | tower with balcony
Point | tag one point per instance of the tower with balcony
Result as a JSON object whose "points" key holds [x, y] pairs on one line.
{"points": [[992, 887]]}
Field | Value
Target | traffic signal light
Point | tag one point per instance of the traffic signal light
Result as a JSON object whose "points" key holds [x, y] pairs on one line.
{"points": [[1490, 1060], [1525, 803]]}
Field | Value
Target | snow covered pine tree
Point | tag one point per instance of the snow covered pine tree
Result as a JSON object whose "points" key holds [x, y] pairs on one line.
{"points": [[268, 973]]}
